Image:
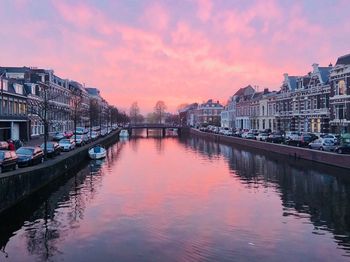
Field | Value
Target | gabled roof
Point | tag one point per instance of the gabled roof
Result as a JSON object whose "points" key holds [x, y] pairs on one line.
{"points": [[343, 60], [324, 72], [248, 90]]}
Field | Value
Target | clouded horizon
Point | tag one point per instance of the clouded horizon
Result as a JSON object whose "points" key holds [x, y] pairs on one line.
{"points": [[175, 51]]}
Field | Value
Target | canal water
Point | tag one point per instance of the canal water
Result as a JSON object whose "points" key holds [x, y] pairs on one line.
{"points": [[184, 199]]}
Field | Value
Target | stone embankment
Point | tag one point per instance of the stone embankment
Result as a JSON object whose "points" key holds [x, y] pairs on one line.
{"points": [[19, 184], [328, 158]]}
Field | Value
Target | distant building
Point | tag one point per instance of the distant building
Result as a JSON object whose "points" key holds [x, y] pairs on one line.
{"points": [[187, 115], [267, 110], [243, 98], [209, 113]]}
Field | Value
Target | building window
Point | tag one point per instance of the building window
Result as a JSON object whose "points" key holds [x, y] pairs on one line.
{"points": [[339, 112], [340, 88]]}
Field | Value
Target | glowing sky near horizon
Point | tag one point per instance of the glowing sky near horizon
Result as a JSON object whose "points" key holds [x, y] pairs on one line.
{"points": [[176, 51]]}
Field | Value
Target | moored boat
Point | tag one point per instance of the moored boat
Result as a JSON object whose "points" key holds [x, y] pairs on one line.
{"points": [[97, 152], [124, 133]]}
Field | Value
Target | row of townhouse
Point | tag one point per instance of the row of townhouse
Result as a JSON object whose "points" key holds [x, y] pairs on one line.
{"points": [[318, 101], [22, 91]]}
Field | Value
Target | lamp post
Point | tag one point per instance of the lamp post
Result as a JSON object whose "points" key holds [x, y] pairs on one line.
{"points": [[2, 91]]}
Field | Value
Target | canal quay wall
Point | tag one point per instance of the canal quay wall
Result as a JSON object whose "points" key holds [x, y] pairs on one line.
{"points": [[19, 184], [327, 158]]}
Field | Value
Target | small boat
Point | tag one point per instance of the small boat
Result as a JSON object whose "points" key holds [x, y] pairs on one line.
{"points": [[97, 152], [124, 133]]}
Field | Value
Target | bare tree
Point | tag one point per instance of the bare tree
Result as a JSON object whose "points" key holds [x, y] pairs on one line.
{"points": [[93, 113], [114, 115], [182, 106], [44, 108], [134, 112], [76, 106], [159, 110]]}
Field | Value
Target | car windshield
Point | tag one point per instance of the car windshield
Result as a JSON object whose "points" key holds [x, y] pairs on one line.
{"points": [[65, 141], [25, 151]]}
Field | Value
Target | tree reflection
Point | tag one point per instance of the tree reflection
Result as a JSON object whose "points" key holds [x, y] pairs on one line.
{"points": [[49, 215], [306, 189]]}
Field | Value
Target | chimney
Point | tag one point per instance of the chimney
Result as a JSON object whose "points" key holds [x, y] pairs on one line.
{"points": [[315, 67], [285, 77], [266, 90]]}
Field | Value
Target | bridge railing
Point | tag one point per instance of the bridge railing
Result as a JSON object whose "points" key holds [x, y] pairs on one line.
{"points": [[148, 125]]}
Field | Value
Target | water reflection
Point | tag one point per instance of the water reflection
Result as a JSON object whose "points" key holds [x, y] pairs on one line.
{"points": [[49, 215], [307, 190], [184, 199]]}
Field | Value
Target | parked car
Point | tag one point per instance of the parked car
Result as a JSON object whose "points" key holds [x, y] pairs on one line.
{"points": [[250, 136], [262, 136], [293, 135], [275, 138], [58, 136], [53, 148], [67, 144], [104, 132], [335, 138], [81, 130], [79, 140], [8, 160], [68, 134], [4, 145], [304, 141], [94, 135], [87, 138], [344, 147], [28, 155], [323, 144], [244, 134]]}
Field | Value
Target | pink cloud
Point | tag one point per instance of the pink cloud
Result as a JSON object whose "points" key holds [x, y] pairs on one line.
{"points": [[163, 55], [156, 17], [204, 9]]}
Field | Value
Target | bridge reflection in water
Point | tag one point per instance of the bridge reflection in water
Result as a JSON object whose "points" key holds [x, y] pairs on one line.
{"points": [[309, 193]]}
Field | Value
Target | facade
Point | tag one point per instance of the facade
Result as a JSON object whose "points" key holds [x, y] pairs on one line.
{"points": [[208, 113], [13, 110], [187, 115], [23, 94], [225, 117], [77, 88], [303, 102], [340, 95], [228, 115], [243, 110], [267, 110]]}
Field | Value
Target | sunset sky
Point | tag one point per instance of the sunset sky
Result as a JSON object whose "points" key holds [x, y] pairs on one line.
{"points": [[177, 51]]}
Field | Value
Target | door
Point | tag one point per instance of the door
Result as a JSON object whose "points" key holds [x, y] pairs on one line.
{"points": [[15, 131]]}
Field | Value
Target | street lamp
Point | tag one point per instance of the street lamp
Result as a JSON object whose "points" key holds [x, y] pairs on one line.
{"points": [[2, 91]]}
